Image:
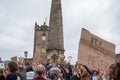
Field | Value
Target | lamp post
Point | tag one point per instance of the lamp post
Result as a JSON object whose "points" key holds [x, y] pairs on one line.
{"points": [[69, 58], [26, 54]]}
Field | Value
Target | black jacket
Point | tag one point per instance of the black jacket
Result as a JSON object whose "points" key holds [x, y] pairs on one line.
{"points": [[14, 76]]}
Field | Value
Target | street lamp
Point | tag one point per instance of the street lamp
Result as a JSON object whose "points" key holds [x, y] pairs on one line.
{"points": [[69, 58], [26, 54]]}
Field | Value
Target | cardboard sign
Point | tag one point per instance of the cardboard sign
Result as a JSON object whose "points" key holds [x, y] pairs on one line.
{"points": [[95, 52], [14, 59]]}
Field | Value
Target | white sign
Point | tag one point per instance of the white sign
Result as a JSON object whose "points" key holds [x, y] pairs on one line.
{"points": [[2, 66]]}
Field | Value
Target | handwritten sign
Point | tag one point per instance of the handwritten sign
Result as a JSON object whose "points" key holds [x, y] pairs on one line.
{"points": [[95, 52], [14, 59]]}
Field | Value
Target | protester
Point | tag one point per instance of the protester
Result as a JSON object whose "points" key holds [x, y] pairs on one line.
{"points": [[2, 75], [40, 72], [76, 74], [84, 75], [97, 75], [28, 67], [117, 70], [13, 69], [112, 71], [54, 74], [22, 72]]}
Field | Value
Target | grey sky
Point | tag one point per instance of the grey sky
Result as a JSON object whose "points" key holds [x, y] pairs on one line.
{"points": [[17, 19]]}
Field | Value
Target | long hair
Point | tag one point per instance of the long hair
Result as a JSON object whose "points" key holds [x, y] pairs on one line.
{"points": [[112, 69], [84, 75], [117, 71]]}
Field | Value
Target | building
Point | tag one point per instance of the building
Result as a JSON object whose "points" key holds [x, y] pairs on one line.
{"points": [[48, 40]]}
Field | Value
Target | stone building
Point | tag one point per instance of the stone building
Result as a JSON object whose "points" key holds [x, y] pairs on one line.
{"points": [[48, 40]]}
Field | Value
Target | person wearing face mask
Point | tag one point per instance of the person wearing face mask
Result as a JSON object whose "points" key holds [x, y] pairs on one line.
{"points": [[54, 74]]}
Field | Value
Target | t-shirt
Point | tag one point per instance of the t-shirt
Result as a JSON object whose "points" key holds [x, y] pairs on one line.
{"points": [[14, 76], [94, 77]]}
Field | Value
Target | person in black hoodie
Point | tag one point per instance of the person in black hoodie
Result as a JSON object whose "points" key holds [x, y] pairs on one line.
{"points": [[13, 75]]}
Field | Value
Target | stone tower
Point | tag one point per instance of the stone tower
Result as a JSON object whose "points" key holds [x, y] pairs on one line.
{"points": [[40, 43], [52, 49]]}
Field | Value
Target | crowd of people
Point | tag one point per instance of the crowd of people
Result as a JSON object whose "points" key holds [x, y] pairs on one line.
{"points": [[63, 71]]}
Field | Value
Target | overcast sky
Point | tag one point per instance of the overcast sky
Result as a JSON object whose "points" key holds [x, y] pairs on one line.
{"points": [[17, 19]]}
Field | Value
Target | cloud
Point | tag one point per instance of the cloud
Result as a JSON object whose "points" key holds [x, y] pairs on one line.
{"points": [[98, 16], [17, 19]]}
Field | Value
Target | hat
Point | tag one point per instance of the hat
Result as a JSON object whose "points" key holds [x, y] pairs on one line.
{"points": [[55, 70]]}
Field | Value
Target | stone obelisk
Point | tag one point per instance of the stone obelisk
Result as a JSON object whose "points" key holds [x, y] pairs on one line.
{"points": [[55, 34]]}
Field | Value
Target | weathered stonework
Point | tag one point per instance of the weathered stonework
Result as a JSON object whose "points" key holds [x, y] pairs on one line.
{"points": [[39, 45], [53, 47], [55, 38]]}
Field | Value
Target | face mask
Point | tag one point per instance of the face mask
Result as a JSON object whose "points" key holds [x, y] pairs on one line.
{"points": [[53, 76]]}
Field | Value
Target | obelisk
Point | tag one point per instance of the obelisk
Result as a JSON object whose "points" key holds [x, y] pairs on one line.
{"points": [[55, 34]]}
